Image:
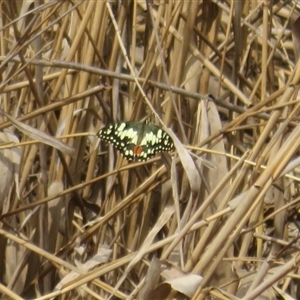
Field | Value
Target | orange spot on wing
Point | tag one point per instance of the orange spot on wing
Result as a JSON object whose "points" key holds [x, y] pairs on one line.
{"points": [[137, 150]]}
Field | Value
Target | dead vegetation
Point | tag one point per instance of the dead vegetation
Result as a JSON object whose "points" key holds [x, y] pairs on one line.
{"points": [[215, 219]]}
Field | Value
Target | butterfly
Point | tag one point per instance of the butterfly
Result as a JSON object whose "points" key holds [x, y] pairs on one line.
{"points": [[137, 140]]}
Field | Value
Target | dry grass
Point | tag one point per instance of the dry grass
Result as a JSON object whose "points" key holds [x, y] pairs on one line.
{"points": [[216, 218]]}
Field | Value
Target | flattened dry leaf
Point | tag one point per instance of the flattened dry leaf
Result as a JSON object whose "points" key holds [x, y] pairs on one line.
{"points": [[9, 165], [24, 10], [296, 37], [151, 280], [215, 176], [175, 192], [15, 275], [54, 212], [193, 70], [290, 166], [246, 281], [64, 49], [40, 136], [92, 222], [282, 293], [163, 219], [187, 163], [233, 204]]}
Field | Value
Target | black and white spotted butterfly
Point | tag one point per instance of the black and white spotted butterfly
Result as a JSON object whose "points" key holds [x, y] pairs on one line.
{"points": [[137, 140]]}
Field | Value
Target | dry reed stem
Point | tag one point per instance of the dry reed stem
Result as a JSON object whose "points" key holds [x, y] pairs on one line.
{"points": [[227, 198]]}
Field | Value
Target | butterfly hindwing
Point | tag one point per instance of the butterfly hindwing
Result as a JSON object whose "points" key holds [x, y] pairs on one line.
{"points": [[137, 140]]}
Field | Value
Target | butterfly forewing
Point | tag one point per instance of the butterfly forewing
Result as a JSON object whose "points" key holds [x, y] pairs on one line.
{"points": [[137, 140]]}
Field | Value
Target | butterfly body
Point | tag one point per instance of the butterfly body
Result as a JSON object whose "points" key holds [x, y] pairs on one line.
{"points": [[137, 140]]}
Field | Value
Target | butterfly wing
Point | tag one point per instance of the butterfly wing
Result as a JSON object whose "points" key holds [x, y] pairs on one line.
{"points": [[124, 136], [155, 140]]}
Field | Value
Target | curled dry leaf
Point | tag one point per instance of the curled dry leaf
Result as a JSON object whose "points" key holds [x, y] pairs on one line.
{"points": [[187, 285], [178, 280], [101, 257]]}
